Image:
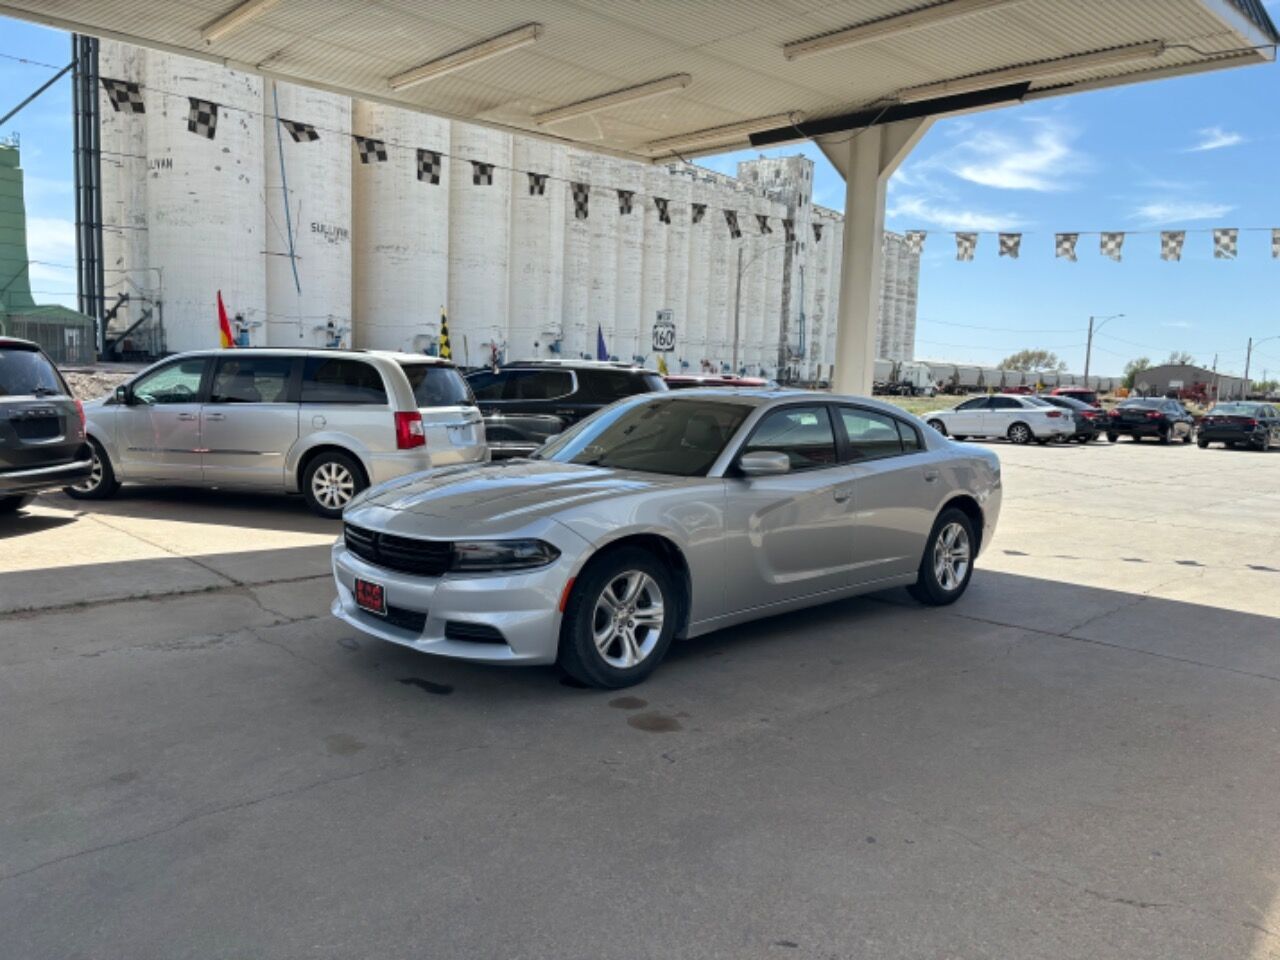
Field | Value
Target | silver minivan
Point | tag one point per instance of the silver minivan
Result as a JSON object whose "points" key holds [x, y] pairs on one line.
{"points": [[326, 423]]}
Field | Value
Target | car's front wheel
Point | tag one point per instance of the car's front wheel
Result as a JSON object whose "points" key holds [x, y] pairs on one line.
{"points": [[939, 426], [1112, 437], [330, 482], [101, 482], [619, 620], [947, 564], [1202, 443]]}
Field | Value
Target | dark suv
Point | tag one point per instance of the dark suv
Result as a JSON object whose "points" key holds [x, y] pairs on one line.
{"points": [[525, 404], [42, 444]]}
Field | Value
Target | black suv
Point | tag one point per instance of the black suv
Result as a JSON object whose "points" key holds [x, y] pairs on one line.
{"points": [[42, 444], [525, 404]]}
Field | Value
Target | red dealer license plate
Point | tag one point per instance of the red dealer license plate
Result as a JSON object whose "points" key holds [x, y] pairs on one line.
{"points": [[371, 597]]}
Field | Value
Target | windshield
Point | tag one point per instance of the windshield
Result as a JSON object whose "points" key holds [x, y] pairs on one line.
{"points": [[437, 386], [1236, 409], [25, 373], [1037, 402], [680, 436]]}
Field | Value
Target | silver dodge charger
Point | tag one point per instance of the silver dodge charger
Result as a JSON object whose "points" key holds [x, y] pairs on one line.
{"points": [[663, 516]]}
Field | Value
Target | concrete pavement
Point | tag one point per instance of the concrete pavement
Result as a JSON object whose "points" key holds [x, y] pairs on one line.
{"points": [[1077, 760]]}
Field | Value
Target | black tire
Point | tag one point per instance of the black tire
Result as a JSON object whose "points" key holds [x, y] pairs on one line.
{"points": [[1202, 443], [960, 437], [929, 587], [13, 504], [1264, 445], [587, 615], [1187, 437], [331, 480], [1019, 433], [102, 483], [1112, 437], [939, 426], [1166, 435]]}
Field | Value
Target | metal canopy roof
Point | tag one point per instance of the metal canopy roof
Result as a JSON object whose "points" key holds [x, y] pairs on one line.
{"points": [[700, 65]]}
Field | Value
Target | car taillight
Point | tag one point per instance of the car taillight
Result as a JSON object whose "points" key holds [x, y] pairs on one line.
{"points": [[409, 432], [1053, 413], [80, 411], [1250, 423], [1153, 414]]}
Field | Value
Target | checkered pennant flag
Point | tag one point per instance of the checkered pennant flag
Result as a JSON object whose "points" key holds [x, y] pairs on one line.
{"points": [[966, 244], [731, 218], [1064, 246], [537, 184], [202, 118], [1275, 243], [481, 174], [1171, 244], [1010, 245], [763, 220], [301, 132], [370, 149], [581, 197], [1225, 243], [915, 241], [699, 211], [1112, 245], [624, 201], [430, 166], [124, 95], [817, 233], [789, 230], [664, 209]]}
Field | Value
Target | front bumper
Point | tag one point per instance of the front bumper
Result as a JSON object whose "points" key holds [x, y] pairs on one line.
{"points": [[523, 607], [35, 479]]}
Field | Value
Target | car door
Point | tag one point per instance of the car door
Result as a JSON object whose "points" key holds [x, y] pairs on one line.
{"points": [[966, 419], [795, 529], [250, 421], [896, 493], [999, 415], [157, 434]]}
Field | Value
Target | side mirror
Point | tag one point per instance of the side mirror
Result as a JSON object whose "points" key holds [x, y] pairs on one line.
{"points": [[764, 463], [124, 394]]}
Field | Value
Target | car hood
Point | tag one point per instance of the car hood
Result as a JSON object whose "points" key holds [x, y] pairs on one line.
{"points": [[507, 493]]}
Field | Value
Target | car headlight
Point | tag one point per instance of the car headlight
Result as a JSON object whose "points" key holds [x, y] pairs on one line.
{"points": [[493, 555]]}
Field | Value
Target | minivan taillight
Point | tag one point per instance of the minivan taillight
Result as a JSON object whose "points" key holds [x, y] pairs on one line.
{"points": [[409, 432], [80, 411]]}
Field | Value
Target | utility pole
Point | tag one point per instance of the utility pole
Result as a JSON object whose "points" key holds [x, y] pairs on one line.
{"points": [[1248, 355], [1088, 350]]}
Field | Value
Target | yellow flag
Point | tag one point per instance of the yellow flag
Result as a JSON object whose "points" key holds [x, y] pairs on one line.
{"points": [[662, 364], [444, 350]]}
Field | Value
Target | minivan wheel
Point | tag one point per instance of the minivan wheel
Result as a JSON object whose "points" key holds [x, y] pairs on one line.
{"points": [[330, 482], [101, 482], [1019, 433], [13, 504], [619, 620], [947, 565]]}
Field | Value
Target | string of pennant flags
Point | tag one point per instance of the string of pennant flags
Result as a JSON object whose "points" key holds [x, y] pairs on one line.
{"points": [[202, 120]]}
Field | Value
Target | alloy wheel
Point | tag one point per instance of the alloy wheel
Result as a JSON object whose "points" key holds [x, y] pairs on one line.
{"points": [[627, 621], [951, 555], [94, 480], [333, 485], [1019, 433]]}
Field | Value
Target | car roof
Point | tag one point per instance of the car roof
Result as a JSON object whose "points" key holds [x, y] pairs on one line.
{"points": [[574, 365], [15, 343], [393, 355], [756, 397]]}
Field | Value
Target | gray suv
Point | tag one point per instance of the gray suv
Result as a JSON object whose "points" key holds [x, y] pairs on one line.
{"points": [[326, 423], [41, 426]]}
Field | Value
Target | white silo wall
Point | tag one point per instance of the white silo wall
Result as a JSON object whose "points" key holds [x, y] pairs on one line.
{"points": [[123, 140], [479, 239], [724, 254], [400, 233], [303, 311], [753, 281], [695, 336], [536, 278], [602, 300], [819, 283], [677, 191], [653, 290], [834, 227], [205, 199], [775, 262], [628, 339], [576, 306]]}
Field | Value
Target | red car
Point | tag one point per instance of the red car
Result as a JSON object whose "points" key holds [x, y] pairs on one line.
{"points": [[686, 381], [1083, 394]]}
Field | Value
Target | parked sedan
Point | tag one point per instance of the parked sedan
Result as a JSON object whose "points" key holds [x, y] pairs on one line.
{"points": [[1164, 419], [1018, 418], [1241, 423], [663, 516], [1089, 419]]}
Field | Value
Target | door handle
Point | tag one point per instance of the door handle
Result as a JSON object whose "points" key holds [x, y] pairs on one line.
{"points": [[931, 475], [214, 416], [841, 494], [186, 416]]}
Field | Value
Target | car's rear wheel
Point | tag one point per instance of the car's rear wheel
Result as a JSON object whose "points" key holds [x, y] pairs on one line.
{"points": [[619, 620], [1112, 437], [947, 565], [939, 426], [101, 482], [1019, 433], [1166, 434], [13, 504], [1265, 443], [1202, 443], [330, 482]]}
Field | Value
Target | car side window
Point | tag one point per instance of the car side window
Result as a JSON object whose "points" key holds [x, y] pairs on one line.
{"points": [[488, 385], [541, 385], [610, 385], [251, 380], [977, 403], [341, 380], [1005, 403], [872, 436], [176, 383], [804, 434]]}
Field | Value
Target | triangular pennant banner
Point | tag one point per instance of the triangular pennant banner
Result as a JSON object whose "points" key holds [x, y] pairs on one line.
{"points": [[663, 208], [124, 95], [731, 218], [763, 221], [581, 198], [202, 118], [430, 166], [966, 244], [1010, 245], [1171, 244], [914, 241], [624, 201], [789, 230], [698, 211], [301, 132], [817, 233], [370, 149], [481, 174], [1112, 246], [1275, 243], [1225, 243], [537, 184], [1064, 246]]}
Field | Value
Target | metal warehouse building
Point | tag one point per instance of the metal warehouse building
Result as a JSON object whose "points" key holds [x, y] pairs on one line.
{"points": [[1171, 377]]}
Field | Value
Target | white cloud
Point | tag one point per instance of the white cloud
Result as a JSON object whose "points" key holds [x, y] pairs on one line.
{"points": [[924, 211], [1178, 211], [1043, 164], [1215, 138]]}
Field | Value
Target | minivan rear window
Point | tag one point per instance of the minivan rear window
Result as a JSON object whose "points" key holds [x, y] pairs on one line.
{"points": [[437, 386], [25, 372], [340, 380]]}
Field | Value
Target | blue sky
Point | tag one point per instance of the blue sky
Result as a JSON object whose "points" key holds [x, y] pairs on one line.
{"points": [[1190, 153]]}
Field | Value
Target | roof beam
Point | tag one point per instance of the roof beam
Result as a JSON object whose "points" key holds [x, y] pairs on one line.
{"points": [[891, 26]]}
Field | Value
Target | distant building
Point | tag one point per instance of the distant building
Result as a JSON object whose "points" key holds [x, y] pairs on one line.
{"points": [[1172, 377]]}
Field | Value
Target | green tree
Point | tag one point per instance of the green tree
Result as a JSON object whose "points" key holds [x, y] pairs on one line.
{"points": [[1180, 357], [1133, 368], [1028, 360]]}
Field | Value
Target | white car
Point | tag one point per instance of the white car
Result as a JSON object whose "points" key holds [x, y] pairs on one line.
{"points": [[1018, 418]]}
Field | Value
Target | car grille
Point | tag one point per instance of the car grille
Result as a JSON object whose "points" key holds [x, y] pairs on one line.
{"points": [[426, 558], [400, 618]]}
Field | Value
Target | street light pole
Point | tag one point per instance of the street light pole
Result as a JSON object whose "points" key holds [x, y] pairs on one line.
{"points": [[1248, 355], [1088, 350]]}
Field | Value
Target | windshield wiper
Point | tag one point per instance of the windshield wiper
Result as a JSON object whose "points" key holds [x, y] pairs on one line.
{"points": [[44, 392]]}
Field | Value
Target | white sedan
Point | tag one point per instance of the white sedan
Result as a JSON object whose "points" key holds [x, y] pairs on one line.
{"points": [[1018, 418]]}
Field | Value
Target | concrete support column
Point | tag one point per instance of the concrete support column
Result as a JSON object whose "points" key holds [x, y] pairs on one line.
{"points": [[867, 159]]}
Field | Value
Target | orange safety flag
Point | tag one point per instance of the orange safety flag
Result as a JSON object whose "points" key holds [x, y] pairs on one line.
{"points": [[224, 325]]}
